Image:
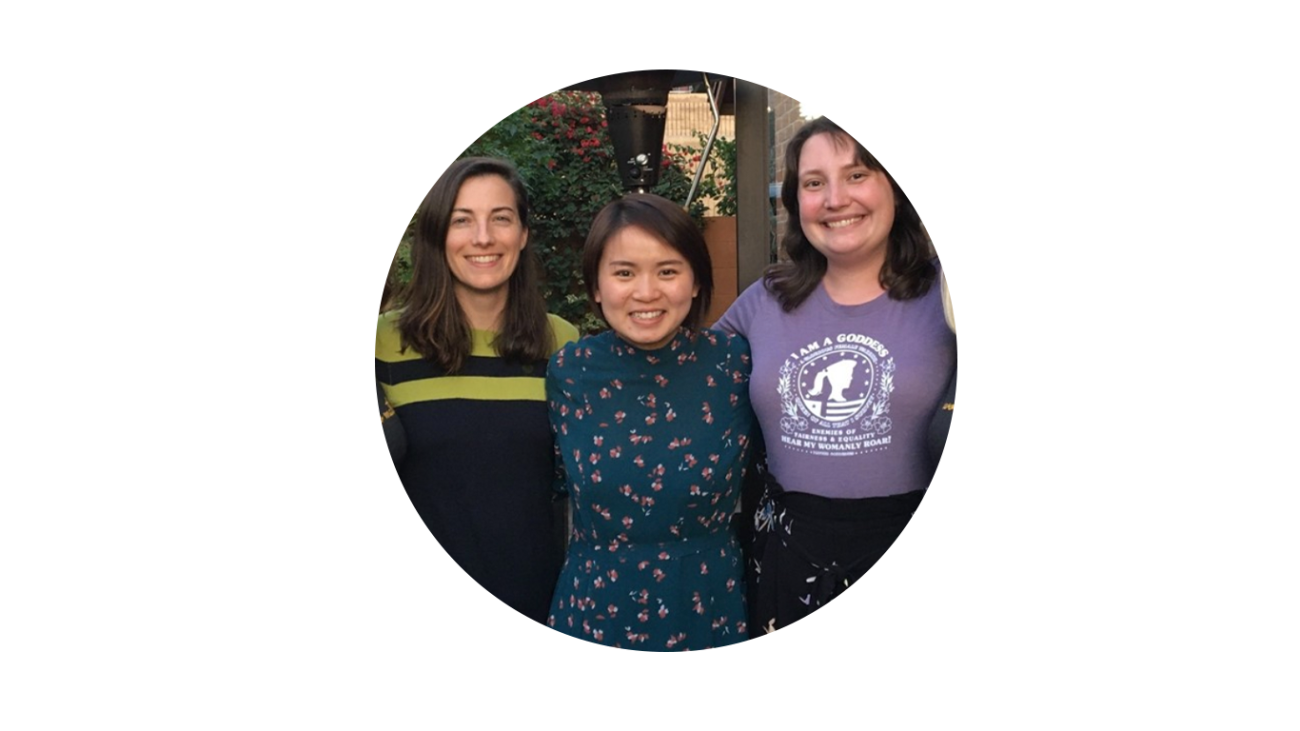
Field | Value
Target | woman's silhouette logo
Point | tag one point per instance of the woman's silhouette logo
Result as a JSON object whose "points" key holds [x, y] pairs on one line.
{"points": [[829, 389], [839, 374]]}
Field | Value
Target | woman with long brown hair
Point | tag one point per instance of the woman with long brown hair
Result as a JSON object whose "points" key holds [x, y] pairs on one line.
{"points": [[462, 361]]}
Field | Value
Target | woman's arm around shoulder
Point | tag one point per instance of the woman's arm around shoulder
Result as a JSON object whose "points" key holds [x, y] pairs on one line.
{"points": [[739, 317]]}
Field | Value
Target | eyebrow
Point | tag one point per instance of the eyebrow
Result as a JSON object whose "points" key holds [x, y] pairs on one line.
{"points": [[498, 209], [818, 171], [622, 263]]}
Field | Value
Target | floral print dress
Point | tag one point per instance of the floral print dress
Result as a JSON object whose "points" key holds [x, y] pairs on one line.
{"points": [[653, 444]]}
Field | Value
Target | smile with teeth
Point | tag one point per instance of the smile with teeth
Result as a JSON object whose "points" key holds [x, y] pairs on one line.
{"points": [[843, 223], [484, 259], [646, 315]]}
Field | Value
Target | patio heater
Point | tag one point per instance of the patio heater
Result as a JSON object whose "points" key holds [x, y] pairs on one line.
{"points": [[636, 107]]}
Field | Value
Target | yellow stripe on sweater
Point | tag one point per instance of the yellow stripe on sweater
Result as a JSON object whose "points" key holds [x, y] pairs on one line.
{"points": [[481, 388]]}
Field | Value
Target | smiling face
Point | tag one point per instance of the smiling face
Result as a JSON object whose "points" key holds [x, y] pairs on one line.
{"points": [[845, 208], [484, 236], [644, 287]]}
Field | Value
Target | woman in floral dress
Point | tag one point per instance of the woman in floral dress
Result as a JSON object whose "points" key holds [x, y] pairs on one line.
{"points": [[652, 421]]}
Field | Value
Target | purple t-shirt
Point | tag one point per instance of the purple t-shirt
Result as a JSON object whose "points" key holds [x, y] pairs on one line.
{"points": [[845, 393]]}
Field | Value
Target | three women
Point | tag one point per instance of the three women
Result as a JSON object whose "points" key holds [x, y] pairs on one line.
{"points": [[652, 419]]}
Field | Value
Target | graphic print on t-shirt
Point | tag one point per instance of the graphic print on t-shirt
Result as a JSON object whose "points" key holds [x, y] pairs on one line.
{"points": [[835, 396]]}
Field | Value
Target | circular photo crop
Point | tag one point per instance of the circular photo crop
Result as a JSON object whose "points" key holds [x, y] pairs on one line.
{"points": [[665, 363]]}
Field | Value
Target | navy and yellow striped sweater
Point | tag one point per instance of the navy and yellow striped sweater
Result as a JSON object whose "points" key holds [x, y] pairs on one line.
{"points": [[480, 461]]}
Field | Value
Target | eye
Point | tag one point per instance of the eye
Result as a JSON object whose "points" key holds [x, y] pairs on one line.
{"points": [[668, 272], [504, 218], [811, 184], [459, 220], [622, 273]]}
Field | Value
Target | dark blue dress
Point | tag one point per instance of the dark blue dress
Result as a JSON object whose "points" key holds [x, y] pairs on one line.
{"points": [[654, 445]]}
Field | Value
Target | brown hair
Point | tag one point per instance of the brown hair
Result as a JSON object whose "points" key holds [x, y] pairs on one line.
{"points": [[907, 272], [432, 322], [667, 222]]}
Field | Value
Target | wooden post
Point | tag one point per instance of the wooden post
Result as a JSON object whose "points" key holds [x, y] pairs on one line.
{"points": [[753, 207]]}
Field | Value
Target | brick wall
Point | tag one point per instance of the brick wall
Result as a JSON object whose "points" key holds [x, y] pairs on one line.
{"points": [[786, 121]]}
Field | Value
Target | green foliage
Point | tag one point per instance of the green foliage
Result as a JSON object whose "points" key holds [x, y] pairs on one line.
{"points": [[401, 272], [719, 180], [675, 178], [561, 146]]}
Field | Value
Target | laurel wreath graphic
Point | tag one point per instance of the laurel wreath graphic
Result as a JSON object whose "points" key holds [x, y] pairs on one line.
{"points": [[880, 422], [792, 422]]}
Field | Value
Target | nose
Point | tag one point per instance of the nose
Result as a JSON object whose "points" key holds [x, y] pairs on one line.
{"points": [[482, 234], [836, 195], [643, 289]]}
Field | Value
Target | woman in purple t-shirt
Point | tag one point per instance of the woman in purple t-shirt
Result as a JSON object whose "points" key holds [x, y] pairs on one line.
{"points": [[851, 359]]}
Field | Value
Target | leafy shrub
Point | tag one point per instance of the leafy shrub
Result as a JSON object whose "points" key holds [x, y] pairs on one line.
{"points": [[719, 180]]}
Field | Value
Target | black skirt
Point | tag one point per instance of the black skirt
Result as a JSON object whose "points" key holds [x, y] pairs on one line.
{"points": [[807, 549]]}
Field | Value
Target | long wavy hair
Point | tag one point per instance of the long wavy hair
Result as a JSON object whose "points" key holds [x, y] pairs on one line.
{"points": [[907, 272], [432, 321], [667, 222]]}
